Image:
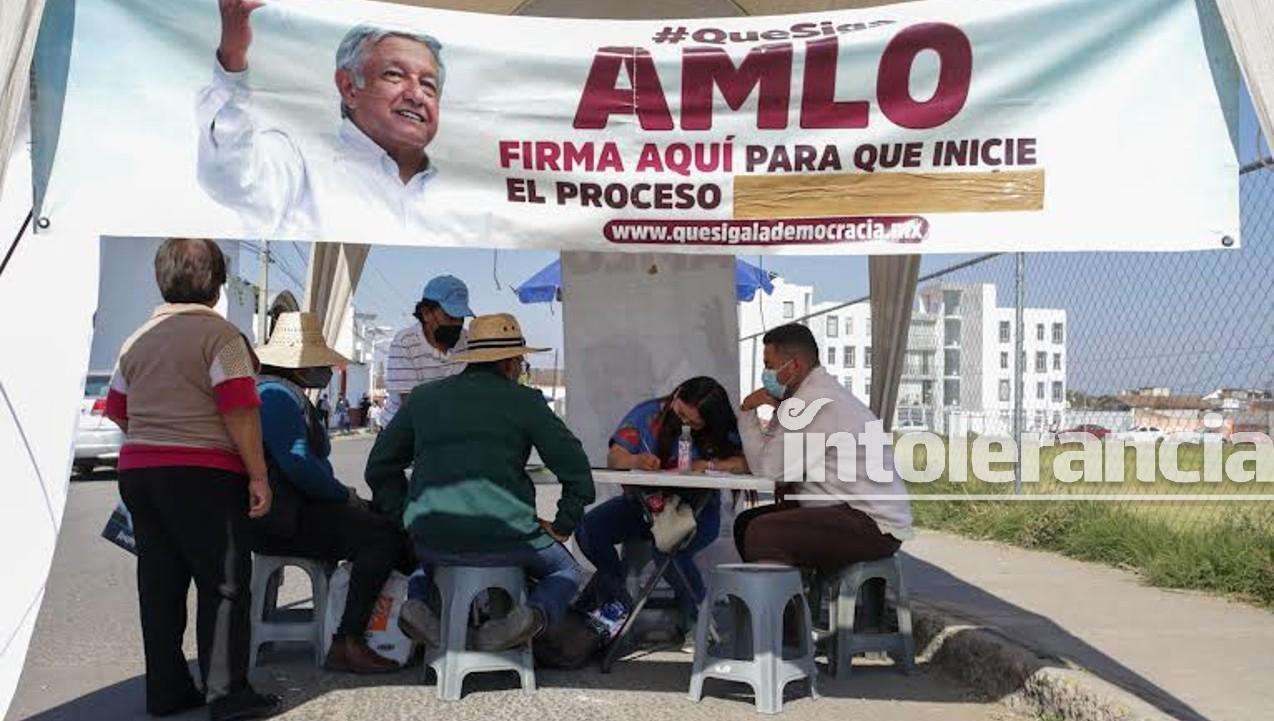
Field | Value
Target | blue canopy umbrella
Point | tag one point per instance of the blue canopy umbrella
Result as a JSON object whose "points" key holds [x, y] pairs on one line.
{"points": [[546, 285]]}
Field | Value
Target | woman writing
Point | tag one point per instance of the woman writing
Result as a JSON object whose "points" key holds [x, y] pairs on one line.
{"points": [[647, 439]]}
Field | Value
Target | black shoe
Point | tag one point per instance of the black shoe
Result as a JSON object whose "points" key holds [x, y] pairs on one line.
{"points": [[193, 698], [245, 705]]}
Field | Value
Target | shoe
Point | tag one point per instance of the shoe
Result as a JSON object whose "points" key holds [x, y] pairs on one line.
{"points": [[607, 620], [512, 631], [420, 623], [247, 704], [193, 698], [352, 654]]}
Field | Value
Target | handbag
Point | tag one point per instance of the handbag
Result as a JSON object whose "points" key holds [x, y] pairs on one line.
{"points": [[672, 524], [285, 506]]}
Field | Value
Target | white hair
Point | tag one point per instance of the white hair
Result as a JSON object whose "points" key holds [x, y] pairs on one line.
{"points": [[351, 54]]}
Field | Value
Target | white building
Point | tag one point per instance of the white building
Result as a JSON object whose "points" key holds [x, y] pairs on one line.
{"points": [[969, 354], [958, 372], [357, 339], [127, 295], [787, 303]]}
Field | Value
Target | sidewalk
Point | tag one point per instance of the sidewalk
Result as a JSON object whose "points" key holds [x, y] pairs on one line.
{"points": [[1193, 656]]}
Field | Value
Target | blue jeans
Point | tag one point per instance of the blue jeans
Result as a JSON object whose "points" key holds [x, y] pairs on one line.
{"points": [[620, 520], [556, 571]]}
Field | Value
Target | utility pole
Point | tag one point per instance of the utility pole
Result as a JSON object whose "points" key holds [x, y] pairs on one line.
{"points": [[263, 295]]}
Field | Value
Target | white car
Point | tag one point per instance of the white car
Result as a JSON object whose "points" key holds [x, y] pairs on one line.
{"points": [[98, 439], [1142, 434], [1200, 436], [910, 425]]}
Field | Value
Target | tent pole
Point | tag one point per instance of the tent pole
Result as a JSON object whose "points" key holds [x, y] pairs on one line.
{"points": [[263, 295]]}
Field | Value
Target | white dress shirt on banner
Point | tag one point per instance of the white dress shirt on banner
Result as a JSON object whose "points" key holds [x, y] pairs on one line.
{"points": [[340, 186]]}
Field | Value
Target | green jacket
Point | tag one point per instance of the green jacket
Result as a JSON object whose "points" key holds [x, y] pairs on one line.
{"points": [[467, 439]]}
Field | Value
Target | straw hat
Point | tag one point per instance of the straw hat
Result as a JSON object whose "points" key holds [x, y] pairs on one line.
{"points": [[494, 338], [297, 342]]}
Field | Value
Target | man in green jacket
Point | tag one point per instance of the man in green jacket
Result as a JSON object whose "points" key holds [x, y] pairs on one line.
{"points": [[469, 501]]}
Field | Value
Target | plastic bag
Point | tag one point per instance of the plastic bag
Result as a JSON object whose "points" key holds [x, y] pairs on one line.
{"points": [[383, 634], [119, 528]]}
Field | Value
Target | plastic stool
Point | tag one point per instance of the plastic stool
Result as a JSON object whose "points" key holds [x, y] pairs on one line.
{"points": [[842, 590], [766, 590], [268, 621], [458, 586]]}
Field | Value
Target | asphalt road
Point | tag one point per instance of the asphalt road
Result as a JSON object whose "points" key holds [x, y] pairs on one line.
{"points": [[85, 660]]}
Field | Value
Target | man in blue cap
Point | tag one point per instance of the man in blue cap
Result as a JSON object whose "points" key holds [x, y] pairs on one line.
{"points": [[423, 352]]}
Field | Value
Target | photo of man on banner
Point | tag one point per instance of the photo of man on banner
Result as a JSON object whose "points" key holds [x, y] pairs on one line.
{"points": [[373, 172]]}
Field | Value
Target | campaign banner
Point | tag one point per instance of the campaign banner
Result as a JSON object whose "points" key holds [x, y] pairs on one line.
{"points": [[935, 127]]}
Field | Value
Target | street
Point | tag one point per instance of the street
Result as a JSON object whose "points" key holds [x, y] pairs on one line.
{"points": [[85, 660]]}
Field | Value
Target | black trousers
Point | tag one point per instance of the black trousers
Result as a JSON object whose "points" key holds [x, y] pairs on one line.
{"points": [[334, 532], [191, 524], [824, 537]]}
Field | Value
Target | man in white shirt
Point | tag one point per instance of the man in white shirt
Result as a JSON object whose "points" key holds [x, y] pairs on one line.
{"points": [[372, 176], [832, 522], [423, 351]]}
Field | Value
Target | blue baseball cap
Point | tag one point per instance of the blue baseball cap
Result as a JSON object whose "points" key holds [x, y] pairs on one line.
{"points": [[451, 293]]}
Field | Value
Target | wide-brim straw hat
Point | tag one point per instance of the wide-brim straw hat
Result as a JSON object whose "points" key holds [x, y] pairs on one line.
{"points": [[297, 342], [493, 338]]}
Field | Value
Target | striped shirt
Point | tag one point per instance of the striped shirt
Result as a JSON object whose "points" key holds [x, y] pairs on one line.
{"points": [[412, 361]]}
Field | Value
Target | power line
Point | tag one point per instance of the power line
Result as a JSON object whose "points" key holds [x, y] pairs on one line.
{"points": [[404, 298], [300, 258]]}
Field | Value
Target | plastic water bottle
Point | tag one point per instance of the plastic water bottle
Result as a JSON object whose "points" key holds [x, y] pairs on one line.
{"points": [[683, 450]]}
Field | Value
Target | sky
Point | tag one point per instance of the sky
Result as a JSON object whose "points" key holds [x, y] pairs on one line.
{"points": [[1191, 321]]}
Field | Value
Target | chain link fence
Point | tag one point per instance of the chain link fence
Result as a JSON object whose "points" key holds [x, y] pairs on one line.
{"points": [[1134, 348]]}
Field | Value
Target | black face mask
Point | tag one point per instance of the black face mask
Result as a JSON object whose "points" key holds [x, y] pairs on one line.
{"points": [[448, 335], [313, 377]]}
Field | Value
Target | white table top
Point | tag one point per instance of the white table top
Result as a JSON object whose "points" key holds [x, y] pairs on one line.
{"points": [[650, 479], [664, 479]]}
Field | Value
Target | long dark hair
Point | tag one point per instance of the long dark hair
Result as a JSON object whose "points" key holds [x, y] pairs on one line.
{"points": [[716, 438]]}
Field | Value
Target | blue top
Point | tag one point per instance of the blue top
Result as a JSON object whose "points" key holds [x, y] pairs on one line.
{"points": [[304, 461], [639, 433]]}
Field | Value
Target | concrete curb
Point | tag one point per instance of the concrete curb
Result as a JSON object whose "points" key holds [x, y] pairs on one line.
{"points": [[353, 435], [1016, 676]]}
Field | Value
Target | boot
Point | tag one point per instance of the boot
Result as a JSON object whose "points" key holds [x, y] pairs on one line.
{"points": [[352, 654]]}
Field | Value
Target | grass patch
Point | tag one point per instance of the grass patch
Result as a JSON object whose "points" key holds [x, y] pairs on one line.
{"points": [[1234, 557], [1223, 547]]}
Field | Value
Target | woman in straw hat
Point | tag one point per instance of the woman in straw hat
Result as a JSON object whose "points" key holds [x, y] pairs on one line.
{"points": [[315, 516], [470, 501]]}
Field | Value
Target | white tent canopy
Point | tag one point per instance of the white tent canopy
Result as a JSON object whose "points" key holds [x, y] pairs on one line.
{"points": [[56, 273]]}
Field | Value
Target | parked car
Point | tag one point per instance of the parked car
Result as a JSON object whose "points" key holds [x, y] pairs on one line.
{"points": [[1098, 432], [1199, 435], [910, 425], [1142, 434], [98, 439]]}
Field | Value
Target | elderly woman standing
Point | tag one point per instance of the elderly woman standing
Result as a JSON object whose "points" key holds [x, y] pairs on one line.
{"points": [[192, 472]]}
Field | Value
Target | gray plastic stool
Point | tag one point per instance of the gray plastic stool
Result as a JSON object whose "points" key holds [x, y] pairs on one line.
{"points": [[766, 590], [458, 586], [270, 623], [842, 590]]}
